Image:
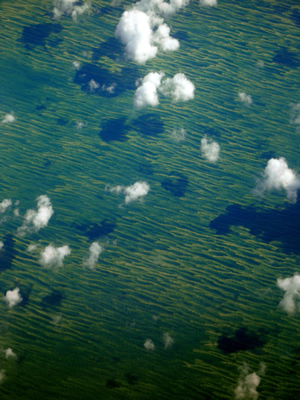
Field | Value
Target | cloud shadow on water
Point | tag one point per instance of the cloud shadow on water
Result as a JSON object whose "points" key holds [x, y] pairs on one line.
{"points": [[37, 35], [112, 48], [52, 300], [272, 225], [286, 58], [95, 231], [241, 340], [114, 130], [148, 125], [7, 253], [176, 184]]}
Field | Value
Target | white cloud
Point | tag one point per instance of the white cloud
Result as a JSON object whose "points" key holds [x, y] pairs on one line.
{"points": [[69, 8], [10, 354], [149, 345], [291, 300], [13, 297], [146, 94], [4, 205], [168, 340], [209, 3], [2, 376], [94, 251], [210, 149], [8, 118], [179, 88], [54, 256], [35, 220], [277, 175], [248, 383], [133, 192], [178, 135], [144, 33], [295, 116], [161, 7], [1, 245], [245, 98]]}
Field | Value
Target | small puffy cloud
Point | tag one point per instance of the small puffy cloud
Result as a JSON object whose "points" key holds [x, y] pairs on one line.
{"points": [[76, 65], [144, 33], [69, 8], [10, 354], [146, 94], [4, 205], [133, 192], [291, 299], [178, 135], [295, 116], [248, 383], [149, 345], [210, 149], [8, 118], [2, 376], [54, 256], [1, 245], [168, 341], [35, 220], [179, 88], [277, 175], [245, 98], [160, 7], [13, 297], [208, 3], [94, 252]]}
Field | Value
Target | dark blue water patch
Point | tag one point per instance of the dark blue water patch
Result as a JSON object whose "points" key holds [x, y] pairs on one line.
{"points": [[287, 58], [295, 17], [267, 155], [95, 231], [99, 81], [145, 168], [25, 291], [7, 253], [131, 378], [61, 121], [38, 34], [114, 130], [148, 125], [272, 225], [52, 300], [241, 340], [112, 48], [176, 183], [112, 383]]}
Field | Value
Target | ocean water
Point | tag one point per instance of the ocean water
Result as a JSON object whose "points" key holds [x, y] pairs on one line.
{"points": [[197, 259]]}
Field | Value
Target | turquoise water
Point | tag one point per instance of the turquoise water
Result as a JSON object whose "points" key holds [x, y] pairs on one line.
{"points": [[184, 265]]}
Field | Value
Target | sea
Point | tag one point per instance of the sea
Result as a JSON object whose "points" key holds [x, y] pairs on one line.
{"points": [[182, 299]]}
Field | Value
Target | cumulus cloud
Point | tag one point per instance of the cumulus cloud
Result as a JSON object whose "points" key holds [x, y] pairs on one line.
{"points": [[94, 252], [210, 149], [133, 192], [291, 299], [8, 118], [69, 8], [295, 116], [13, 297], [178, 135], [1, 245], [35, 220], [146, 94], [10, 354], [209, 3], [4, 205], [143, 31], [248, 383], [149, 345], [54, 256], [277, 175], [168, 341], [2, 376], [245, 98], [178, 88]]}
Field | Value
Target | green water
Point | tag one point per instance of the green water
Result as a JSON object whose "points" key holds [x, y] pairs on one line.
{"points": [[163, 269]]}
